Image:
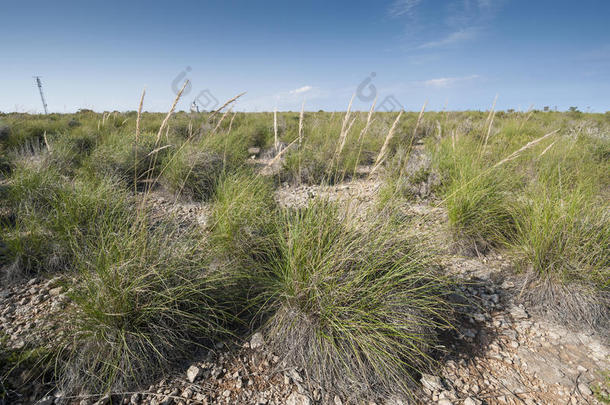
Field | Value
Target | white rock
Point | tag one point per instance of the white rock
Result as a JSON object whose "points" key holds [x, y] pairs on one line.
{"points": [[470, 401], [298, 399], [584, 389], [53, 292], [431, 382], [257, 340], [193, 373]]}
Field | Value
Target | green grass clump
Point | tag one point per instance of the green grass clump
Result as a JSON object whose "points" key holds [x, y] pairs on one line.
{"points": [[242, 207], [144, 302], [479, 210], [192, 173], [357, 308], [22, 367], [50, 216], [477, 196], [564, 234], [116, 156]]}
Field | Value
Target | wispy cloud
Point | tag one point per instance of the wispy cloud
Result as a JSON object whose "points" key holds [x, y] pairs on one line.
{"points": [[300, 90], [457, 21], [448, 81], [403, 7], [461, 35]]}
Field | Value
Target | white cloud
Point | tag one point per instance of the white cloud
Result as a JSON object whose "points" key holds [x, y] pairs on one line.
{"points": [[300, 90], [448, 81], [465, 34], [403, 7], [288, 99]]}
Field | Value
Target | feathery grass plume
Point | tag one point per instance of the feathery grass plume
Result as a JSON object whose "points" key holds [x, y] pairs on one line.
{"points": [[222, 119], [229, 101], [357, 308], [410, 146], [135, 149], [345, 127], [301, 137], [525, 147], [301, 122], [419, 117], [231, 122], [489, 123], [530, 111], [275, 140], [153, 161], [381, 156], [279, 155], [363, 134]]}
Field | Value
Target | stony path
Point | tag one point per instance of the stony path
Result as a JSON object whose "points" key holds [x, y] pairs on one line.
{"points": [[504, 355], [500, 352]]}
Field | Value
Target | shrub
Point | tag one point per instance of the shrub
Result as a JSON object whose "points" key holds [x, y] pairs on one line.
{"points": [[357, 308]]}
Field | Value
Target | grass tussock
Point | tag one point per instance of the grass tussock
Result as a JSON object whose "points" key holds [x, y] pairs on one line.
{"points": [[357, 309], [50, 217], [145, 301], [192, 174], [243, 207], [477, 197]]}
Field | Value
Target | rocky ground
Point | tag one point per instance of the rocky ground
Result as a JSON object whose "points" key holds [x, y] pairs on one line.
{"points": [[501, 352]]}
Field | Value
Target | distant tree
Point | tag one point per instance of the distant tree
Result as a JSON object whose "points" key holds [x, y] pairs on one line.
{"points": [[573, 109]]}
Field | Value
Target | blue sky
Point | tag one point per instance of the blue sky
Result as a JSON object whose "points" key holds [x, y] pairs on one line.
{"points": [[454, 53]]}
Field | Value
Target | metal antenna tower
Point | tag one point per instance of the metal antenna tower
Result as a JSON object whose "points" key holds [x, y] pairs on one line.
{"points": [[39, 84]]}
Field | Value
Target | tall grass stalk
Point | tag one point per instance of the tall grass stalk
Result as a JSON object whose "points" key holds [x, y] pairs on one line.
{"points": [[382, 153], [363, 134]]}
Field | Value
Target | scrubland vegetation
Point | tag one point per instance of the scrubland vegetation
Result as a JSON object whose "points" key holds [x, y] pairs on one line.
{"points": [[356, 300]]}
